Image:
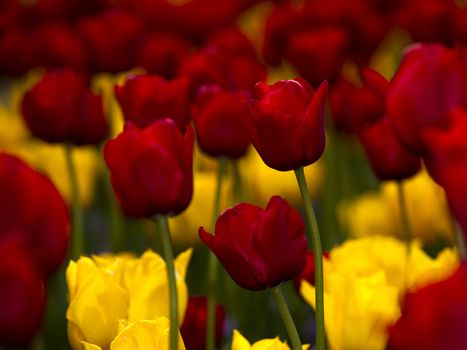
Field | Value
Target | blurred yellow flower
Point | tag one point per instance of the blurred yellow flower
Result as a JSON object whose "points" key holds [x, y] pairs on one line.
{"points": [[104, 291], [142, 335], [240, 343], [263, 182], [379, 213], [364, 279], [184, 227]]}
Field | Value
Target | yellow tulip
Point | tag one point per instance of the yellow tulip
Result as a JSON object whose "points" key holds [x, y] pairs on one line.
{"points": [[106, 290], [364, 279], [358, 310], [141, 335], [379, 213], [240, 343]]}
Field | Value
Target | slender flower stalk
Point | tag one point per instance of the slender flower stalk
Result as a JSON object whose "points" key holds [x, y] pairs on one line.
{"points": [[313, 236], [404, 215], [212, 263], [163, 230], [116, 220], [286, 318], [238, 189], [77, 243]]}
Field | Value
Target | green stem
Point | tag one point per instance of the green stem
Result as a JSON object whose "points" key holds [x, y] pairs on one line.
{"points": [[238, 189], [404, 215], [77, 243], [116, 221], [314, 237], [163, 229], [286, 318], [213, 265]]}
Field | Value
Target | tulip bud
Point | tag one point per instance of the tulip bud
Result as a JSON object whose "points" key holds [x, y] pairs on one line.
{"points": [[152, 169], [259, 248], [219, 122], [146, 98], [62, 108], [286, 123]]}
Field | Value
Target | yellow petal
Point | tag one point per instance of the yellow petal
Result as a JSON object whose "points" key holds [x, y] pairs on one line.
{"points": [[97, 305], [89, 346], [146, 335], [239, 342], [149, 292]]}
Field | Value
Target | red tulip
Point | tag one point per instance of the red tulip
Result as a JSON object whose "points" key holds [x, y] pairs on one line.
{"points": [[259, 248], [318, 54], [219, 122], [162, 53], [212, 65], [388, 158], [286, 123], [355, 107], [62, 108], [232, 42], [33, 213], [146, 98], [434, 317], [446, 160], [18, 53], [58, 45], [431, 81], [22, 296], [111, 40], [151, 168], [193, 329]]}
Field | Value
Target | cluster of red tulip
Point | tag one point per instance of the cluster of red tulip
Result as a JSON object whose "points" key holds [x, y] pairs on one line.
{"points": [[205, 81]]}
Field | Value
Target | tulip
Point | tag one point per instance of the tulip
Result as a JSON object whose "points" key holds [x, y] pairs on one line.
{"points": [[219, 122], [162, 53], [107, 289], [434, 317], [58, 45], [446, 160], [248, 238], [364, 281], [23, 296], [33, 212], [430, 82], [146, 98], [151, 169], [388, 158], [286, 123], [318, 54], [62, 108], [193, 329], [110, 38]]}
